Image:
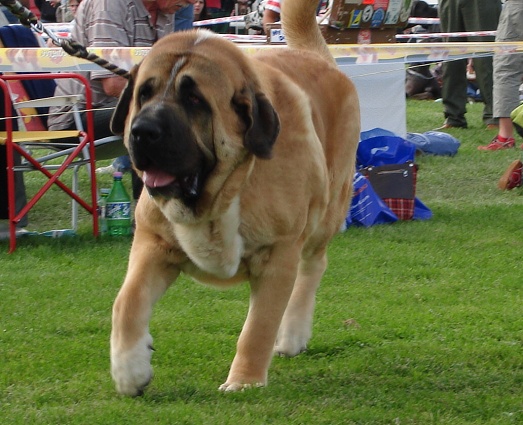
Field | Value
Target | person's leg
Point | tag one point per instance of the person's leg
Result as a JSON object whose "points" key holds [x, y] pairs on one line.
{"points": [[454, 90], [508, 72], [484, 78], [20, 195], [508, 69], [454, 93], [102, 121], [483, 15]]}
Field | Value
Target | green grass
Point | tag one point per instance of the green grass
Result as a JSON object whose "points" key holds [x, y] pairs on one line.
{"points": [[434, 310]]}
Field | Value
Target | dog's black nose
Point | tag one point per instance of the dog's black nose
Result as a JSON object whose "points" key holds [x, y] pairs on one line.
{"points": [[145, 131]]}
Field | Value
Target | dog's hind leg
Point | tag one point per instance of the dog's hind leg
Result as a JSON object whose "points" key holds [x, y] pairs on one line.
{"points": [[131, 342], [296, 326]]}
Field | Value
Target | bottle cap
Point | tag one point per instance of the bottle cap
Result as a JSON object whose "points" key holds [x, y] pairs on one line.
{"points": [[117, 174]]}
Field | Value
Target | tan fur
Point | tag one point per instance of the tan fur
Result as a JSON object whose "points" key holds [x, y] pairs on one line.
{"points": [[265, 213]]}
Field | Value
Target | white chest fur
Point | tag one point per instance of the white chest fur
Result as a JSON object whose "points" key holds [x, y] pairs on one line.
{"points": [[216, 247]]}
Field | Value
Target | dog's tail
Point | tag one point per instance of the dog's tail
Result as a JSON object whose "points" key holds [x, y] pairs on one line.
{"points": [[298, 18]]}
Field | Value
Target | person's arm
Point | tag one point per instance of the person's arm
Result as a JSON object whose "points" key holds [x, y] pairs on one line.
{"points": [[113, 86], [269, 17], [105, 29]]}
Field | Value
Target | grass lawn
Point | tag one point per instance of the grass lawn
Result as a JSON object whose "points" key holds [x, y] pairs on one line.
{"points": [[416, 322]]}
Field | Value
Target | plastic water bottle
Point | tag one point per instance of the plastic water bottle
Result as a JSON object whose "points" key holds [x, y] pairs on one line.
{"points": [[102, 210], [118, 209]]}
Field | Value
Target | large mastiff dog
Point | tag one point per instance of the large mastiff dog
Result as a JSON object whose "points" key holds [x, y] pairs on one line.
{"points": [[247, 162]]}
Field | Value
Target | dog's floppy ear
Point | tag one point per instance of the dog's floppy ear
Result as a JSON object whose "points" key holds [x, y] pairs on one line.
{"points": [[122, 108], [261, 121]]}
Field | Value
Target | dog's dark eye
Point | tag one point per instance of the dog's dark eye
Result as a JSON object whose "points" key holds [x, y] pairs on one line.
{"points": [[145, 93], [195, 100], [190, 95]]}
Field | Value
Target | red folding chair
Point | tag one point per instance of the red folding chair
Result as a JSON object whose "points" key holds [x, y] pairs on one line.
{"points": [[82, 153]]}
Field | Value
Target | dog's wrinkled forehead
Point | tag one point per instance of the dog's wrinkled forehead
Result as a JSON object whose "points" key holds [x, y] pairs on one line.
{"points": [[174, 72], [201, 55], [198, 42]]}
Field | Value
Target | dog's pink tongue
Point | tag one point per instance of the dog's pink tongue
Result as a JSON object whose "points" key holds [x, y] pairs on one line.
{"points": [[156, 178]]}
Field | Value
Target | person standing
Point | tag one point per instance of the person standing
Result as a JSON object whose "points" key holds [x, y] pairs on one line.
{"points": [[460, 16], [508, 75]]}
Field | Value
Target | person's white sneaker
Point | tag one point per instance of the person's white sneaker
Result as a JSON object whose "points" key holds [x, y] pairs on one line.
{"points": [[106, 170]]}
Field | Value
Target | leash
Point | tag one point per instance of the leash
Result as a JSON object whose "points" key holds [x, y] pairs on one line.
{"points": [[71, 47]]}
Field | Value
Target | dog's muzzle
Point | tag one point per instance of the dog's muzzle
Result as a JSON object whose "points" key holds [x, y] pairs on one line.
{"points": [[162, 145]]}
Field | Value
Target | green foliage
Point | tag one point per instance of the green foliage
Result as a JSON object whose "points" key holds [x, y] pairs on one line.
{"points": [[416, 322]]}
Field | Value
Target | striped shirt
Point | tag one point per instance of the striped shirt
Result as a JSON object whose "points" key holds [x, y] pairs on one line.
{"points": [[108, 23]]}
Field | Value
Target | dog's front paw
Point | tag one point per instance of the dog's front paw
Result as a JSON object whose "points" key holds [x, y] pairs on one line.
{"points": [[230, 387], [286, 351], [293, 336], [131, 369], [291, 345]]}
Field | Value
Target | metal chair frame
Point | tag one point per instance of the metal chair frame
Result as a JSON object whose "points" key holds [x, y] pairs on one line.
{"points": [[75, 156]]}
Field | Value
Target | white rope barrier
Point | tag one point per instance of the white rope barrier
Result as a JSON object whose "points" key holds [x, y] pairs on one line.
{"points": [[245, 38], [228, 19], [216, 21], [447, 35], [423, 21]]}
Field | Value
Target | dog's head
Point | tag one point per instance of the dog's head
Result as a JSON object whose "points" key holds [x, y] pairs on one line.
{"points": [[192, 110]]}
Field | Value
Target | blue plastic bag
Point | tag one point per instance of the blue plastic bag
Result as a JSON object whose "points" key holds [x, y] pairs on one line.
{"points": [[435, 143], [367, 208], [384, 150], [421, 211], [375, 132], [377, 147]]}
